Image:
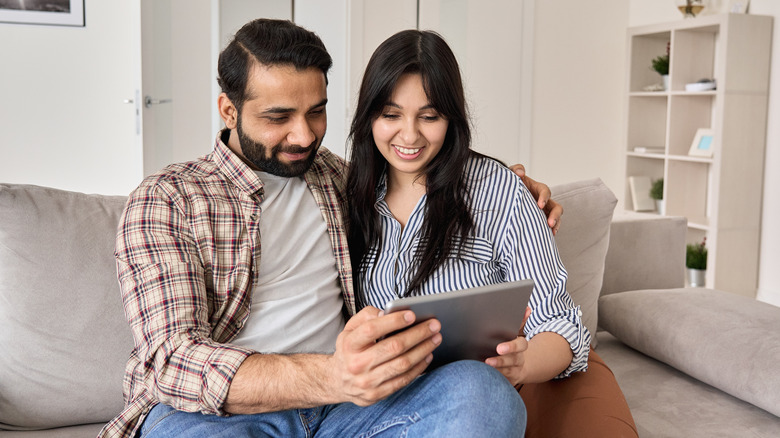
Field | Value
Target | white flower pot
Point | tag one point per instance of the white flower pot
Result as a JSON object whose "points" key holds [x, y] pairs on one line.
{"points": [[696, 277], [665, 79], [660, 206]]}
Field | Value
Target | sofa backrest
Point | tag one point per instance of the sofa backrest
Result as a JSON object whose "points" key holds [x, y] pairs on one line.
{"points": [[64, 340]]}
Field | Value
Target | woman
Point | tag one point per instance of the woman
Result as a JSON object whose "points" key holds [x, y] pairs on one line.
{"points": [[429, 215]]}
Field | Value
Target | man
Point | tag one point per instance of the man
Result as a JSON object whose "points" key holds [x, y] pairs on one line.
{"points": [[236, 283]]}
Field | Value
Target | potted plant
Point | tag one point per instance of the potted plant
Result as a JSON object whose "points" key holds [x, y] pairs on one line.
{"points": [[696, 262], [660, 64], [657, 193]]}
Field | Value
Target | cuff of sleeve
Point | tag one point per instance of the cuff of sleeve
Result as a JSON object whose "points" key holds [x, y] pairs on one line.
{"points": [[569, 325], [222, 365]]}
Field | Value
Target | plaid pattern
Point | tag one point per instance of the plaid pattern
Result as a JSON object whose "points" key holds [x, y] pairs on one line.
{"points": [[187, 250]]}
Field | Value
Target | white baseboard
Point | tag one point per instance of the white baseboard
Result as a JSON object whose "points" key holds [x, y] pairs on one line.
{"points": [[769, 296]]}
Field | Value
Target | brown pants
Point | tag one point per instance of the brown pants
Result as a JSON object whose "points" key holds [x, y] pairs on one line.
{"points": [[585, 405]]}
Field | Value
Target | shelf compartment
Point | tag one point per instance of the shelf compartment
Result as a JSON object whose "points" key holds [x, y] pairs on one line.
{"points": [[686, 191], [688, 113], [647, 121], [644, 48], [651, 167], [693, 56]]}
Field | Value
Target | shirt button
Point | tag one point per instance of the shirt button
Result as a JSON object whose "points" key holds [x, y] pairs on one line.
{"points": [[253, 217], [579, 313]]}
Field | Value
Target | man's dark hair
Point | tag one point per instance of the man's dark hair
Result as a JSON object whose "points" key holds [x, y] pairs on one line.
{"points": [[269, 42]]}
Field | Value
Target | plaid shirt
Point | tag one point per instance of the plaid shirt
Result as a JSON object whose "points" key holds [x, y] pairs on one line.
{"points": [[187, 253]]}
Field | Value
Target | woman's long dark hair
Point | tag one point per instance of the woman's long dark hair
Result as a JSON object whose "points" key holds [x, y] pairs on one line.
{"points": [[447, 217]]}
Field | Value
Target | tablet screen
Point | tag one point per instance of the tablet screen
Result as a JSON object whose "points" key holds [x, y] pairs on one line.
{"points": [[473, 321]]}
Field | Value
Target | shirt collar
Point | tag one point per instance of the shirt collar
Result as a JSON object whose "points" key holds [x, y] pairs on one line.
{"points": [[234, 168]]}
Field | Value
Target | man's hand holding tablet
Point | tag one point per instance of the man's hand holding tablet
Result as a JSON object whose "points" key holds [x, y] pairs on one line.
{"points": [[473, 321]]}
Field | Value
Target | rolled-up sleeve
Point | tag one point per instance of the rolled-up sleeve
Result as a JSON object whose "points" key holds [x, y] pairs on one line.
{"points": [[529, 251], [164, 290]]}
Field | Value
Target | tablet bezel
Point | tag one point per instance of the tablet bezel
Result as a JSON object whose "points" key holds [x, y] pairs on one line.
{"points": [[473, 321]]}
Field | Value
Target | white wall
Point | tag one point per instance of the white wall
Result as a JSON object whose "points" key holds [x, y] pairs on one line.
{"points": [[578, 84], [651, 11], [62, 116]]}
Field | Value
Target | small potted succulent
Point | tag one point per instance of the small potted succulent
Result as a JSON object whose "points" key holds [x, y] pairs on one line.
{"points": [[660, 64], [657, 193], [696, 262]]}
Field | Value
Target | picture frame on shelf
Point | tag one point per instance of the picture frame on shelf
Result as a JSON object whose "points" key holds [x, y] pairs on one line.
{"points": [[702, 143], [46, 12], [738, 6]]}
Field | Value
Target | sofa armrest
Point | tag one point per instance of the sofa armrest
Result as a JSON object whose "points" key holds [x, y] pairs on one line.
{"points": [[646, 251]]}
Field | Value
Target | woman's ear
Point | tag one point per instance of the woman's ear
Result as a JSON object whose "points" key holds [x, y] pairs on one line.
{"points": [[227, 111]]}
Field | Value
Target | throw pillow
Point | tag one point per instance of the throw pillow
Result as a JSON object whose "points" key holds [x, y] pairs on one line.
{"points": [[64, 340], [725, 340]]}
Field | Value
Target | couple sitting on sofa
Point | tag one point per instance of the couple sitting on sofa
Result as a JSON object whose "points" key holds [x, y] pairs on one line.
{"points": [[269, 220]]}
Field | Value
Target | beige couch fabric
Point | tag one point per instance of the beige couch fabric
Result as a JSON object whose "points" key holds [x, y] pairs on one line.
{"points": [[583, 241], [722, 339], [64, 340]]}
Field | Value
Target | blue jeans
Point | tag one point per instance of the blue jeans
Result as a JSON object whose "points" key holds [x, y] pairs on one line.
{"points": [[462, 399]]}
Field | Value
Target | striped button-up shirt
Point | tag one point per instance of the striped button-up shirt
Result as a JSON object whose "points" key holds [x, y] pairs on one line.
{"points": [[187, 253], [511, 241]]}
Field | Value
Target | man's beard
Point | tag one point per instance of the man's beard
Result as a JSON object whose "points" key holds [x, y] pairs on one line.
{"points": [[256, 153]]}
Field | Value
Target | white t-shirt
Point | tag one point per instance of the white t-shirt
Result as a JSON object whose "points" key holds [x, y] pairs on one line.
{"points": [[296, 302]]}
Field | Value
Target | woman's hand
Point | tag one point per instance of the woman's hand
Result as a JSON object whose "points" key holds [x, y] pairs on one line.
{"points": [[511, 359], [541, 192]]}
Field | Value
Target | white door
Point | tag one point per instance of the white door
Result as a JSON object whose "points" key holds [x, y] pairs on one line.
{"points": [[174, 87], [180, 41]]}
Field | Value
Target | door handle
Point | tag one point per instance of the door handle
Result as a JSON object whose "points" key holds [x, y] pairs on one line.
{"points": [[148, 101]]}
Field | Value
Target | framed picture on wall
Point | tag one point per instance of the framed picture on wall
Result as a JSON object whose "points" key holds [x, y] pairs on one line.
{"points": [[702, 143], [50, 12]]}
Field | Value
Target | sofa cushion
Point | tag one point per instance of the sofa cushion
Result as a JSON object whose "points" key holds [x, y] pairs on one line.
{"points": [[583, 240], [64, 339], [722, 339]]}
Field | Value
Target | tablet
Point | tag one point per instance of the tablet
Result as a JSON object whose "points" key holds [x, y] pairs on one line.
{"points": [[473, 321]]}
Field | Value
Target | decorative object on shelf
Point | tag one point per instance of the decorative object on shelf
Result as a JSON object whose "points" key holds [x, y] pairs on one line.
{"points": [[649, 149], [661, 66], [696, 262], [702, 143], [738, 6], [701, 85], [61, 12], [640, 193], [655, 87], [657, 193], [690, 8]]}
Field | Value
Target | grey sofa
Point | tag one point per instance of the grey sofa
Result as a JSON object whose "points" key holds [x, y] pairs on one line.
{"points": [[690, 362]]}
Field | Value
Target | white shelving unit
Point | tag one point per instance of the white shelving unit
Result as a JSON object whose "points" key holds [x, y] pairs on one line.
{"points": [[720, 196]]}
